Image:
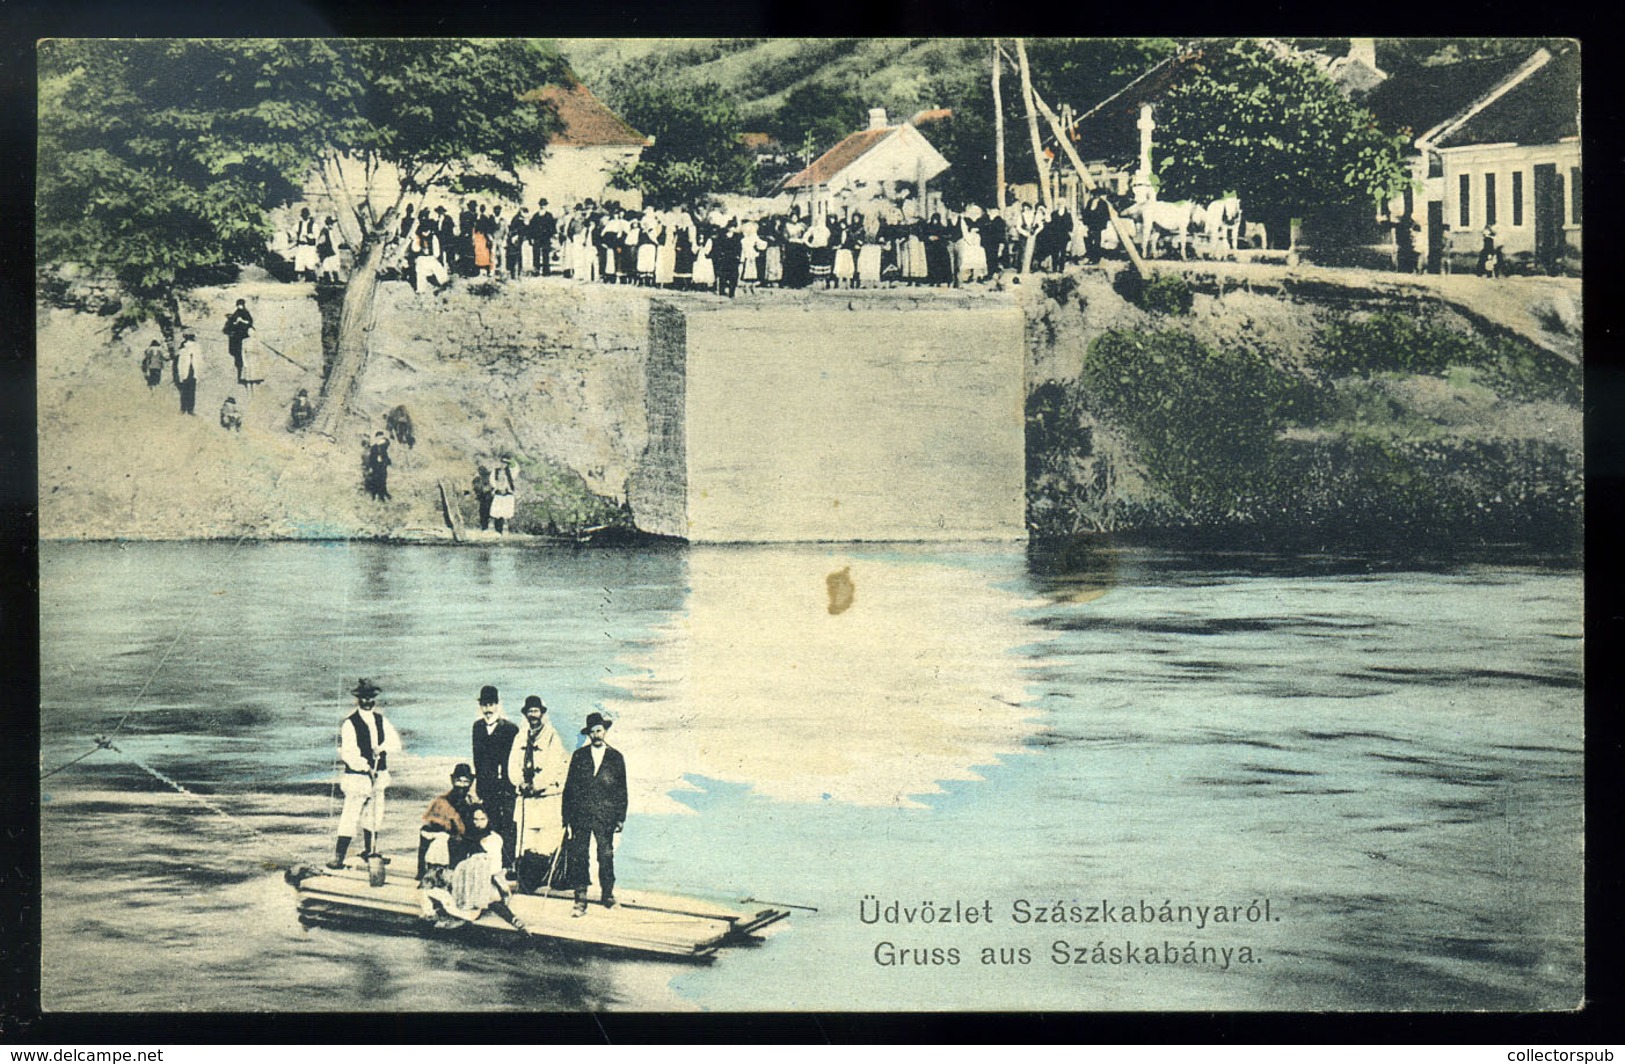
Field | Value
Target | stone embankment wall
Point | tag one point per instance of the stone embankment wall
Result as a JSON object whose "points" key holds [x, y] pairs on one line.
{"points": [[855, 420]]}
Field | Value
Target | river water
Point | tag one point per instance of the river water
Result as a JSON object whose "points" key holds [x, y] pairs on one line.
{"points": [[1388, 755]]}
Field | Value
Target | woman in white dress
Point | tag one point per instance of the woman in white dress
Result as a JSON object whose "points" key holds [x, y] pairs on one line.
{"points": [[972, 256], [477, 883], [705, 273], [751, 246], [505, 489], [666, 255], [846, 259]]}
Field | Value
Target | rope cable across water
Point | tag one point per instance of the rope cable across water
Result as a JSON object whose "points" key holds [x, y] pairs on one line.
{"points": [[106, 742]]}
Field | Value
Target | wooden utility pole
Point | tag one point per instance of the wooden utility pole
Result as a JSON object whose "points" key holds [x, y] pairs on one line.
{"points": [[998, 129], [1032, 122], [1124, 236]]}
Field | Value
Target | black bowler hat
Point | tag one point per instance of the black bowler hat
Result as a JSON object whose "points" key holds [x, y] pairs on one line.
{"points": [[593, 720], [532, 700], [488, 696], [365, 688], [462, 772]]}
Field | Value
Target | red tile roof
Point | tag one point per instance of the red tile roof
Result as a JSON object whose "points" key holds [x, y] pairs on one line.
{"points": [[838, 158], [585, 121], [934, 114]]}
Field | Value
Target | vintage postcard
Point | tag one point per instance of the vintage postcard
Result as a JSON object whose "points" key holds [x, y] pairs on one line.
{"points": [[781, 525]]}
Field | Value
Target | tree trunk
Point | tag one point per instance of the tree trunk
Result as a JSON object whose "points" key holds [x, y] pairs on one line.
{"points": [[355, 330]]}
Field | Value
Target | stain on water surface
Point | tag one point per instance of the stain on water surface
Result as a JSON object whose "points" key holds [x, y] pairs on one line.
{"points": [[1390, 756]]}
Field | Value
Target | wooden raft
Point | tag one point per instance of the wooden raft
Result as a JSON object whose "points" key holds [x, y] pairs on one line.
{"points": [[643, 922]]}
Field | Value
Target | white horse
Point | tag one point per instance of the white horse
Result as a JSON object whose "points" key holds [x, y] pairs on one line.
{"points": [[1224, 223], [1159, 217]]}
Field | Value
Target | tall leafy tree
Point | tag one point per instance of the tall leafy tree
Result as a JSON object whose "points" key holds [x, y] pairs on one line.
{"points": [[1276, 130], [159, 159], [696, 150], [401, 116]]}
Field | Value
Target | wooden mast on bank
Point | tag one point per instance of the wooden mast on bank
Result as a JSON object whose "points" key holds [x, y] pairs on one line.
{"points": [[998, 129], [1032, 122], [1124, 235]]}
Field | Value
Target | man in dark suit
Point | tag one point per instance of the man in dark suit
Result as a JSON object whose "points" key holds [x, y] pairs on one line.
{"points": [[543, 229], [594, 808], [451, 250], [493, 742]]}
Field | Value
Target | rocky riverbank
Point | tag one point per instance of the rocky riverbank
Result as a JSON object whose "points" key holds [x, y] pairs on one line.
{"points": [[1366, 412]]}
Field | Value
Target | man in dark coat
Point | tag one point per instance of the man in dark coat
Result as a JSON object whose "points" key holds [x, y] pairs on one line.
{"points": [[375, 463], [239, 323], [544, 229], [451, 245], [184, 369], [994, 232], [493, 742], [1096, 217], [594, 808]]}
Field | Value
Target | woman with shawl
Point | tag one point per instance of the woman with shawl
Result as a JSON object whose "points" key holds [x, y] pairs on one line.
{"points": [[477, 883]]}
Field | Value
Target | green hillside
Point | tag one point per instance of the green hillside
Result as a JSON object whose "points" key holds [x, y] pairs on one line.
{"points": [[807, 93]]}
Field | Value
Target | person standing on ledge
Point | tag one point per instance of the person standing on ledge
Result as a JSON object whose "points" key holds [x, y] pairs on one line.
{"points": [[239, 323], [375, 468], [185, 370], [152, 364], [483, 494], [366, 741], [493, 742], [594, 808], [503, 490]]}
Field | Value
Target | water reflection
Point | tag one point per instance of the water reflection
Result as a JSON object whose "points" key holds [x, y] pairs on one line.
{"points": [[1394, 757], [761, 680]]}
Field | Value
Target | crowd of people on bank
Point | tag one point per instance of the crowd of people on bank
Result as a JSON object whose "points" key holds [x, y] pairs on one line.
{"points": [[523, 814], [684, 248]]}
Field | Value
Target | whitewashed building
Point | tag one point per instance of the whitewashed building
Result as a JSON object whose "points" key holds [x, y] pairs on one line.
{"points": [[592, 145], [883, 164], [1496, 144]]}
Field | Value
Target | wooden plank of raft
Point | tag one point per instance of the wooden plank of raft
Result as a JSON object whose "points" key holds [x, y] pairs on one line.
{"points": [[629, 899], [349, 896]]}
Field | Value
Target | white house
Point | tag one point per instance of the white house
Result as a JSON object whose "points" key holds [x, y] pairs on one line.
{"points": [[592, 145], [882, 164], [1501, 149]]}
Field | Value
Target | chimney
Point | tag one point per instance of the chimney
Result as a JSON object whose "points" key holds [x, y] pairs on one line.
{"points": [[877, 118], [1364, 50]]}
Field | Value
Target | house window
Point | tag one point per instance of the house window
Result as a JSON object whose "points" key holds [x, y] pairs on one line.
{"points": [[1466, 199], [1574, 194], [1489, 199], [1517, 197]]}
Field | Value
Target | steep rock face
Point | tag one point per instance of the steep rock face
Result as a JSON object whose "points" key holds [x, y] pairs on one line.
{"points": [[1367, 411], [550, 373]]}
